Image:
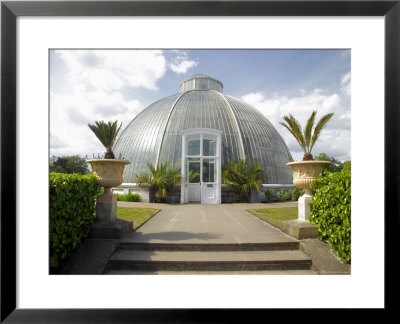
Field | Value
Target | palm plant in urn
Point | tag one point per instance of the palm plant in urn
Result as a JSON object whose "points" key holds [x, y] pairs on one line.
{"points": [[109, 171], [306, 171]]}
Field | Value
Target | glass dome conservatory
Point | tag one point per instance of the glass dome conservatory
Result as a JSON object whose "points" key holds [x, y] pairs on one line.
{"points": [[157, 134]]}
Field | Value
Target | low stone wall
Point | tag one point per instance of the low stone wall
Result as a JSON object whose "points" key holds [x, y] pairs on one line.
{"points": [[145, 196], [275, 188], [124, 189], [175, 196], [228, 194]]}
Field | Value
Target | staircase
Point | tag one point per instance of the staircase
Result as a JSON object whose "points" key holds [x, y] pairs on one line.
{"points": [[166, 256]]}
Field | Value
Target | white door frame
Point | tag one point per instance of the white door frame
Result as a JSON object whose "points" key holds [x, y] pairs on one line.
{"points": [[201, 132]]}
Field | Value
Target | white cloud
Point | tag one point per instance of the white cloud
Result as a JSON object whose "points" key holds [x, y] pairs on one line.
{"points": [[76, 117], [346, 83], [301, 107], [90, 85], [56, 142], [181, 63], [113, 69], [346, 78], [70, 114], [334, 139], [94, 80], [346, 116]]}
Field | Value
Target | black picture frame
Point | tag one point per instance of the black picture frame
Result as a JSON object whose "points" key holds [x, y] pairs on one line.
{"points": [[10, 10]]}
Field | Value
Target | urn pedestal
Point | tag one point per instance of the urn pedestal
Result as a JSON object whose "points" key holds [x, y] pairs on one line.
{"points": [[109, 172], [304, 174]]}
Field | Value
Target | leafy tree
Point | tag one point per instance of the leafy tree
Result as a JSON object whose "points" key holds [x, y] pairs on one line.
{"points": [[160, 181], [68, 164], [347, 165], [307, 138], [243, 177], [107, 134], [335, 165]]}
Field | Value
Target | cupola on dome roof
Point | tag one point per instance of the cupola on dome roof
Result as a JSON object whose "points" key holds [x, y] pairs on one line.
{"points": [[201, 82], [155, 134]]}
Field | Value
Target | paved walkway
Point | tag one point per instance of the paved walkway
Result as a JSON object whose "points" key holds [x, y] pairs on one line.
{"points": [[227, 223], [197, 224]]}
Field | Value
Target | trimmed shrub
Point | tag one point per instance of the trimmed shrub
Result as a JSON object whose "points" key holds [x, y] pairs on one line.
{"points": [[72, 212], [269, 196], [282, 194], [295, 193], [129, 197], [330, 209]]}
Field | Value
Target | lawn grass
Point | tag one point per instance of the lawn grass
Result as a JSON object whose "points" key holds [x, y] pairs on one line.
{"points": [[275, 216], [135, 214]]}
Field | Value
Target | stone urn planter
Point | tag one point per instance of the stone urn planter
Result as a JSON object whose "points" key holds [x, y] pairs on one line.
{"points": [[109, 172], [304, 174]]}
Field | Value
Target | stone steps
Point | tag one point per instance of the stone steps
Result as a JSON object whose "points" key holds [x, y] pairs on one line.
{"points": [[208, 257], [260, 246]]}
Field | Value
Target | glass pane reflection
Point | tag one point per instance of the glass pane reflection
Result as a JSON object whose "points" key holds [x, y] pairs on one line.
{"points": [[193, 170], [209, 147], [193, 147], [209, 170]]}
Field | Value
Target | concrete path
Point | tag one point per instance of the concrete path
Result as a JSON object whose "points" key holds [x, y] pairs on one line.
{"points": [[183, 224], [244, 206], [206, 238], [197, 224]]}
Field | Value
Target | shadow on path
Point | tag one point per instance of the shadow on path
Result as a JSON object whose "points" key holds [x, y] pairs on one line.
{"points": [[170, 236]]}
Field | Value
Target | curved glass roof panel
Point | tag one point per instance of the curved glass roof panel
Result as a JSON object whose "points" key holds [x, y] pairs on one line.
{"points": [[262, 142], [154, 135], [141, 139], [200, 109]]}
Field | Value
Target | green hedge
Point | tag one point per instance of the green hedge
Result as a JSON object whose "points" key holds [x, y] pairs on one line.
{"points": [[72, 211], [330, 209]]}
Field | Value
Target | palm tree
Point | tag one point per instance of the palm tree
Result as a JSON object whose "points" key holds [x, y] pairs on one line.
{"points": [[243, 177], [306, 140], [160, 181], [106, 133], [193, 176]]}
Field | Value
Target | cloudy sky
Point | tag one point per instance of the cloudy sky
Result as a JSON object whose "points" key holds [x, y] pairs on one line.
{"points": [[89, 85]]}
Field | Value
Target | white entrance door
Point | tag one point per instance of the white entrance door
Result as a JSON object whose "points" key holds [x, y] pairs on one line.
{"points": [[209, 185], [193, 179], [201, 166]]}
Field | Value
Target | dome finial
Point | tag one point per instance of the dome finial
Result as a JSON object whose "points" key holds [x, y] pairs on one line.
{"points": [[201, 82]]}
